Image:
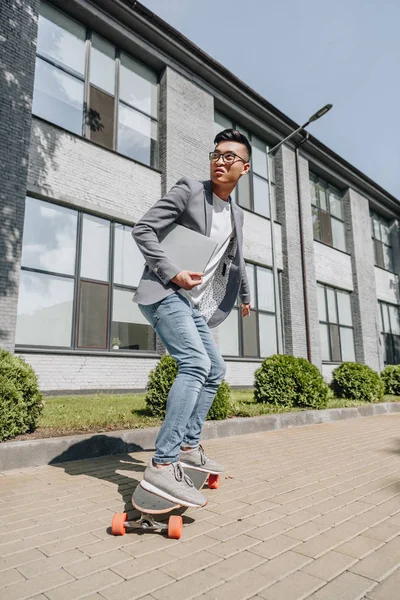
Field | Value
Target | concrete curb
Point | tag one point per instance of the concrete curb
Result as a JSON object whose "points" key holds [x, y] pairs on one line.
{"points": [[22, 455]]}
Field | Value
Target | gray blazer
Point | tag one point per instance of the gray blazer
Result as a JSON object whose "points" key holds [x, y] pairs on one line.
{"points": [[189, 203]]}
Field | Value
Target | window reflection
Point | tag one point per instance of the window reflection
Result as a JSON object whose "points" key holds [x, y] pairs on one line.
{"points": [[49, 241], [44, 310]]}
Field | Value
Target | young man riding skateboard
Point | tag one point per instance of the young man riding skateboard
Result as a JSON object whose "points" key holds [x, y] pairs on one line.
{"points": [[182, 307]]}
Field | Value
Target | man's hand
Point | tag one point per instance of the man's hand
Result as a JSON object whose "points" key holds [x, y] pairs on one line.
{"points": [[245, 310], [188, 279]]}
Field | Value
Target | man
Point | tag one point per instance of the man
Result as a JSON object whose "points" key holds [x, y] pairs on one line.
{"points": [[182, 306]]}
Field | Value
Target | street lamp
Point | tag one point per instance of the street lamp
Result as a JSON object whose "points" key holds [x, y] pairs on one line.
{"points": [[320, 113]]}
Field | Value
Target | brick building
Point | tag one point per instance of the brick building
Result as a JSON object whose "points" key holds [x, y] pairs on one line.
{"points": [[103, 106]]}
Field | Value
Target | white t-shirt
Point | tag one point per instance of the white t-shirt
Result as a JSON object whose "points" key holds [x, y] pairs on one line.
{"points": [[221, 230]]}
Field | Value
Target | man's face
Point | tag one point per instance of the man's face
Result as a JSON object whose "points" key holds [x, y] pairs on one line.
{"points": [[225, 173]]}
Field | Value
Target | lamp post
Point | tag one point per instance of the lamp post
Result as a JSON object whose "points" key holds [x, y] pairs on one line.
{"points": [[320, 113]]}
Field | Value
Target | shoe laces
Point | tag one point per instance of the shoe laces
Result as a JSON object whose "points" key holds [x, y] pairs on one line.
{"points": [[180, 475], [203, 455]]}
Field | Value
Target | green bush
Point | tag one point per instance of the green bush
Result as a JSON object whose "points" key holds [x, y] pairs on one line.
{"points": [[357, 382], [160, 382], [220, 407], [20, 399], [284, 380], [391, 379]]}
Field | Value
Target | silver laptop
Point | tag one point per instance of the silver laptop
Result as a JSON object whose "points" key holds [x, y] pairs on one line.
{"points": [[187, 249]]}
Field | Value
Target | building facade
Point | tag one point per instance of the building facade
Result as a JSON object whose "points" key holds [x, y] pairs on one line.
{"points": [[103, 107]]}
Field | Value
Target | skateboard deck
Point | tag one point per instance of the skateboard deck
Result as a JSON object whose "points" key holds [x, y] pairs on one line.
{"points": [[149, 504]]}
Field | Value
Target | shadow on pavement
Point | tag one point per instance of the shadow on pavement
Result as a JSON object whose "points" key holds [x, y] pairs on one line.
{"points": [[110, 468]]}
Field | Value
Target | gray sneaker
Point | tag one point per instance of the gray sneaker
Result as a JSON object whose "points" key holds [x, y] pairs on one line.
{"points": [[172, 484], [197, 459]]}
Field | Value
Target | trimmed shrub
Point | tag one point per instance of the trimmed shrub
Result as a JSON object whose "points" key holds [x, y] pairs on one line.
{"points": [[285, 380], [160, 382], [357, 382], [391, 379], [20, 399], [220, 407]]}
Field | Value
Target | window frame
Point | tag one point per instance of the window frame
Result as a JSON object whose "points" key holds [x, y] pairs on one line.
{"points": [[338, 325], [77, 279], [251, 174], [388, 335], [381, 221], [316, 209], [255, 309], [85, 79]]}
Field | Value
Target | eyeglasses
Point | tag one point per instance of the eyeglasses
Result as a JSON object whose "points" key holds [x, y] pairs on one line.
{"points": [[229, 157]]}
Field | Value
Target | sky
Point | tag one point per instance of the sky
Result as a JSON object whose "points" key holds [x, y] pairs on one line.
{"points": [[303, 54]]}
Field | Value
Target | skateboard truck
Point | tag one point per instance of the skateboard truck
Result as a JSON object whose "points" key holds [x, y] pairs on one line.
{"points": [[121, 524]]}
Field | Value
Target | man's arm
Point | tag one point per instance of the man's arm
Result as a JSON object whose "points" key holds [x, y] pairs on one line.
{"points": [[244, 290], [162, 214]]}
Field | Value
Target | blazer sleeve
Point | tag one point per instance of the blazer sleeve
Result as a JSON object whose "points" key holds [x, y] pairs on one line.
{"points": [[244, 290], [162, 214]]}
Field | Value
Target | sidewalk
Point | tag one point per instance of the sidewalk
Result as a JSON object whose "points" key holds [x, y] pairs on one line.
{"points": [[309, 512]]}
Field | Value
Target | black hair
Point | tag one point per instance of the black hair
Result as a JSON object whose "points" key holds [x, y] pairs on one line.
{"points": [[233, 135]]}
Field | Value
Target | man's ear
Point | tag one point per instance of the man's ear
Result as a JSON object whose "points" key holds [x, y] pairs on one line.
{"points": [[246, 169]]}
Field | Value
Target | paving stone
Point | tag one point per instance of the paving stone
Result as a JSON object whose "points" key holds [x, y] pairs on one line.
{"points": [[380, 563], [9, 577], [347, 586], [38, 585], [389, 589], [143, 564], [241, 588], [178, 569], [89, 566], [296, 586], [360, 546], [82, 587], [46, 564], [188, 588], [275, 546], [384, 531], [277, 568], [235, 565], [329, 565], [307, 530]]}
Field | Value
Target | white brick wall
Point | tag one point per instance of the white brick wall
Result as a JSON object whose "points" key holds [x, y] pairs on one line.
{"points": [[387, 285], [74, 170], [327, 371], [75, 372], [241, 373], [332, 267], [257, 240]]}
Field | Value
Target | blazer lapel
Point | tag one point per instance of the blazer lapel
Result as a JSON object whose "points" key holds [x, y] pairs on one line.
{"points": [[208, 206]]}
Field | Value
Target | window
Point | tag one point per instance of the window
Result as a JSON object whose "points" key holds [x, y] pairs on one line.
{"points": [[327, 214], [382, 243], [253, 336], [86, 85], [335, 324], [79, 273], [390, 330], [252, 189]]}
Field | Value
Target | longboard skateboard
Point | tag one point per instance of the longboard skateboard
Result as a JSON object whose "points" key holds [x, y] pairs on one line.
{"points": [[149, 504]]}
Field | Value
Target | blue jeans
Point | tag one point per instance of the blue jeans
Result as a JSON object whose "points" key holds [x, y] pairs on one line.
{"points": [[201, 369]]}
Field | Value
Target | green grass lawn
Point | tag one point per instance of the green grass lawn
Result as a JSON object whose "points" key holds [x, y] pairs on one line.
{"points": [[64, 415]]}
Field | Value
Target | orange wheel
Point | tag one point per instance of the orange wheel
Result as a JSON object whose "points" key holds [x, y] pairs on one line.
{"points": [[213, 481], [175, 524], [118, 524]]}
